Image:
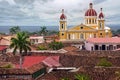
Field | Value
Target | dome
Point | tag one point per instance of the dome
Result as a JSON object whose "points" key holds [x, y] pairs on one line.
{"points": [[101, 14], [91, 11], [62, 17]]}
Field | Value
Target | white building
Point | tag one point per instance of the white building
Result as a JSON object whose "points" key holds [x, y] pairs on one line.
{"points": [[92, 44], [36, 39]]}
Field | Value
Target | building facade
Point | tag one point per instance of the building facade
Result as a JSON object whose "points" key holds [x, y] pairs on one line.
{"points": [[93, 44], [93, 27]]}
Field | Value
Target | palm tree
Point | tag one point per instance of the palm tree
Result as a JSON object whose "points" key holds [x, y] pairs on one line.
{"points": [[43, 31], [14, 30], [82, 77], [21, 43]]}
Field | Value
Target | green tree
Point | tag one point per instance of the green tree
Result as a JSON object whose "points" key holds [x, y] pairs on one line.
{"points": [[56, 45], [43, 31], [104, 62], [14, 30], [21, 43], [65, 79], [82, 77]]}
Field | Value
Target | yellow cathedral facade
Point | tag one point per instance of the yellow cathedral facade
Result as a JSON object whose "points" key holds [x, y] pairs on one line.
{"points": [[93, 27]]}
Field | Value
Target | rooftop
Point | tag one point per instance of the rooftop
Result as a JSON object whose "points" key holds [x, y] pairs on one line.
{"points": [[104, 40]]}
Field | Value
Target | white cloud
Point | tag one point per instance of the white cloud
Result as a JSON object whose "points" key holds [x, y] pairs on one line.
{"points": [[11, 2], [48, 11]]}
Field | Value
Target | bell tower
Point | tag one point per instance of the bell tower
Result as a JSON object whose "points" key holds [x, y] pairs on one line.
{"points": [[101, 21], [63, 26], [63, 22]]}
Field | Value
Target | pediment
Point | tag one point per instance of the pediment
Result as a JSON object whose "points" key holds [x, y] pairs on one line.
{"points": [[80, 28]]}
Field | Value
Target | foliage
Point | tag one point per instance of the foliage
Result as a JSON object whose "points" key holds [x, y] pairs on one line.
{"points": [[14, 30], [104, 62], [82, 77], [52, 32], [21, 42], [115, 32], [56, 45], [7, 66], [43, 31], [41, 47], [65, 79]]}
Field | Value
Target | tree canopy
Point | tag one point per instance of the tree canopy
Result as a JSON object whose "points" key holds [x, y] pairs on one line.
{"points": [[14, 30]]}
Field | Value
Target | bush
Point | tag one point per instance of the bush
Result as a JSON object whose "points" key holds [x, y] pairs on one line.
{"points": [[56, 45], [82, 77], [7, 66], [104, 62], [41, 47], [65, 79]]}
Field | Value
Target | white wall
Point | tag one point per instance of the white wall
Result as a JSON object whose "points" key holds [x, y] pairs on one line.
{"points": [[88, 46]]}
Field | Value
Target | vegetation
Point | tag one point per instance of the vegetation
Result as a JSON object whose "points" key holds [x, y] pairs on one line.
{"points": [[14, 30], [43, 31], [82, 77], [21, 43], [103, 62], [41, 47], [10, 65], [65, 79], [116, 32], [56, 45]]}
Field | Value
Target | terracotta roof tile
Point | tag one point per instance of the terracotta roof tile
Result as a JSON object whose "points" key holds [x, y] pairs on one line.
{"points": [[104, 40]]}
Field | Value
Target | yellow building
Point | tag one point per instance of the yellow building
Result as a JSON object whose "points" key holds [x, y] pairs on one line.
{"points": [[94, 27]]}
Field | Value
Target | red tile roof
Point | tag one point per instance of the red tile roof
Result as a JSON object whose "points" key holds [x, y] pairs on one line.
{"points": [[33, 60], [104, 40], [3, 48], [52, 61]]}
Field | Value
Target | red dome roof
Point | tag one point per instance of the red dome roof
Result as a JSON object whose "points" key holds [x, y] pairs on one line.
{"points": [[62, 17], [101, 14], [91, 11]]}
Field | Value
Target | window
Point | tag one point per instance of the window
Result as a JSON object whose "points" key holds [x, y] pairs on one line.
{"points": [[81, 36], [81, 27], [100, 33], [93, 21], [100, 25], [90, 21], [62, 26], [62, 34], [94, 35]]}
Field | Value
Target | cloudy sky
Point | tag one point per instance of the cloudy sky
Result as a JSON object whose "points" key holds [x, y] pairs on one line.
{"points": [[47, 12]]}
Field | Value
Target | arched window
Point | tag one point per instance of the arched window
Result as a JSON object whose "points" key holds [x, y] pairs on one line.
{"points": [[62, 26], [68, 36], [81, 36], [89, 21], [93, 21], [100, 25]]}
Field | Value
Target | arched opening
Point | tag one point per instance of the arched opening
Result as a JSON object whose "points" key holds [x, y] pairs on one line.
{"points": [[62, 26], [81, 36], [68, 36], [96, 47], [103, 47], [100, 25]]}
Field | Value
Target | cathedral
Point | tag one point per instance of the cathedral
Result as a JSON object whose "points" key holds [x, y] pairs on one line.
{"points": [[93, 27]]}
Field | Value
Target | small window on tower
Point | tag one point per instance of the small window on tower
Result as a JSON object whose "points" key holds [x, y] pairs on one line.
{"points": [[100, 33], [62, 26], [62, 34]]}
